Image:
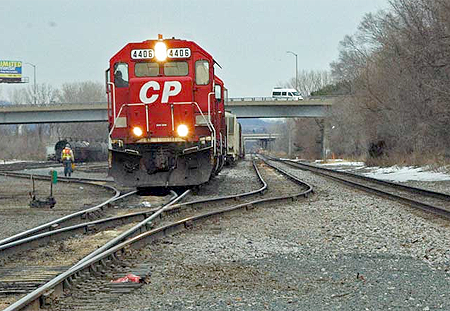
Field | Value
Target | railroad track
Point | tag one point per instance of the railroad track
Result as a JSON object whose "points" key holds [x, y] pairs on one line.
{"points": [[118, 256], [76, 223], [57, 230], [429, 201], [25, 165], [50, 253]]}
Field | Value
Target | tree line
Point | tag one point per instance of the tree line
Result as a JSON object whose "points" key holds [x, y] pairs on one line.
{"points": [[393, 77], [395, 71], [30, 141]]}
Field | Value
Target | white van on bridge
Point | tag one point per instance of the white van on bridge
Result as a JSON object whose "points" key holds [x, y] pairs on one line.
{"points": [[286, 94]]}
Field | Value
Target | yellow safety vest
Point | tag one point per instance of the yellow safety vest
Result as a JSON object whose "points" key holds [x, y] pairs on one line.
{"points": [[66, 154]]}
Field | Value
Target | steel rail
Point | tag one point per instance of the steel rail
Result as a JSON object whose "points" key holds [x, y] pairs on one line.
{"points": [[17, 166], [425, 192], [93, 260], [7, 248], [60, 178], [130, 232], [145, 222], [89, 259], [261, 190], [413, 203]]}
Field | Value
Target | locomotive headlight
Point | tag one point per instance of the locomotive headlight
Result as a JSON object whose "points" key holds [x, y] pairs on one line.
{"points": [[137, 131], [182, 130], [160, 51]]}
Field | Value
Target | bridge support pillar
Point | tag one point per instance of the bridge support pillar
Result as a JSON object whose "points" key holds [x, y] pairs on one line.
{"points": [[290, 127], [325, 132]]}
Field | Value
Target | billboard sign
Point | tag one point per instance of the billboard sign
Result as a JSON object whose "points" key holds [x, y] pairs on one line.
{"points": [[10, 71]]}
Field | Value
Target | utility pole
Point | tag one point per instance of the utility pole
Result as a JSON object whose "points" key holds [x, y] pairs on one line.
{"points": [[296, 68], [289, 139], [34, 82]]}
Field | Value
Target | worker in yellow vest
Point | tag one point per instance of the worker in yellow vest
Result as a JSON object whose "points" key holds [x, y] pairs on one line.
{"points": [[67, 158]]}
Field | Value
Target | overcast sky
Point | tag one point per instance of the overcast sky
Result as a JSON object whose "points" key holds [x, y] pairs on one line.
{"points": [[73, 40]]}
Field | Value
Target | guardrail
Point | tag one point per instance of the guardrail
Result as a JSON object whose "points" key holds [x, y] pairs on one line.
{"points": [[52, 104], [234, 99]]}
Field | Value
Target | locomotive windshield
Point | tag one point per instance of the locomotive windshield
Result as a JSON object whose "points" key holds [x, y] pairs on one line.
{"points": [[151, 69], [146, 69], [176, 69]]}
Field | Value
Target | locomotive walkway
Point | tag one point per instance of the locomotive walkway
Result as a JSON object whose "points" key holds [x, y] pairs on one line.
{"points": [[247, 107]]}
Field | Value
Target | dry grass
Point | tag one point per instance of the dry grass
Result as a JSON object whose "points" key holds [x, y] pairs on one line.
{"points": [[436, 161]]}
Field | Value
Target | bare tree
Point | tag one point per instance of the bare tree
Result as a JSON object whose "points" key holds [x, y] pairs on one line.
{"points": [[397, 64], [82, 92], [310, 81]]}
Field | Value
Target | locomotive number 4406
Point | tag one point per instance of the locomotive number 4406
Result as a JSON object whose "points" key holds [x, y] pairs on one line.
{"points": [[171, 53], [142, 54], [179, 53]]}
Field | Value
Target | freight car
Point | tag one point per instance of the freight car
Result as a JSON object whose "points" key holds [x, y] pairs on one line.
{"points": [[166, 114], [235, 143], [84, 151]]}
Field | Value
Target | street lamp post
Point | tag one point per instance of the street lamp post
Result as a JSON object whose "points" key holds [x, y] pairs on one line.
{"points": [[34, 82], [296, 69], [296, 88]]}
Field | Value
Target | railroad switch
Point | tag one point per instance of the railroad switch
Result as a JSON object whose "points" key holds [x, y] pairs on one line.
{"points": [[50, 201]]}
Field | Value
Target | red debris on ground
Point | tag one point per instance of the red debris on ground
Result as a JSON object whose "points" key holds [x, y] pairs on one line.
{"points": [[128, 278]]}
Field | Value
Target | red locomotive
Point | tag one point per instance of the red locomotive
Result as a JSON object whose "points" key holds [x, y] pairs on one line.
{"points": [[166, 114]]}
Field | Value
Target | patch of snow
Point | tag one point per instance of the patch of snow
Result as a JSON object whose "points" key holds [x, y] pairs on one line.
{"points": [[10, 161], [393, 173], [339, 162], [401, 174]]}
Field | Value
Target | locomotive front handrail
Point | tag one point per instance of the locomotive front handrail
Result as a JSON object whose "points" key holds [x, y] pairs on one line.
{"points": [[207, 120], [120, 111], [209, 117], [113, 97]]}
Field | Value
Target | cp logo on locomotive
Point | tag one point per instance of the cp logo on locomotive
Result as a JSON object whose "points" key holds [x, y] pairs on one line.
{"points": [[171, 88]]}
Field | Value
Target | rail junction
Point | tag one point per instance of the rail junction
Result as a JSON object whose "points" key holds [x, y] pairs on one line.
{"points": [[85, 283], [157, 223]]}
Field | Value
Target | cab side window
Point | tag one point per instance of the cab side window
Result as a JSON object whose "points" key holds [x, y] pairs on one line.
{"points": [[218, 92], [121, 74], [202, 72]]}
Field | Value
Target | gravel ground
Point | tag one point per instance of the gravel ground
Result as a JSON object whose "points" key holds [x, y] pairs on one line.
{"points": [[338, 250], [341, 249], [231, 180]]}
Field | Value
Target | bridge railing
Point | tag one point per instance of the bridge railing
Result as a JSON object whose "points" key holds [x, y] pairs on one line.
{"points": [[250, 99], [233, 99], [52, 104]]}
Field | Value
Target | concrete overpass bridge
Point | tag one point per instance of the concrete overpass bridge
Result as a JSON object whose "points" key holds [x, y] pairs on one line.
{"points": [[264, 139], [248, 107], [268, 107], [260, 136]]}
